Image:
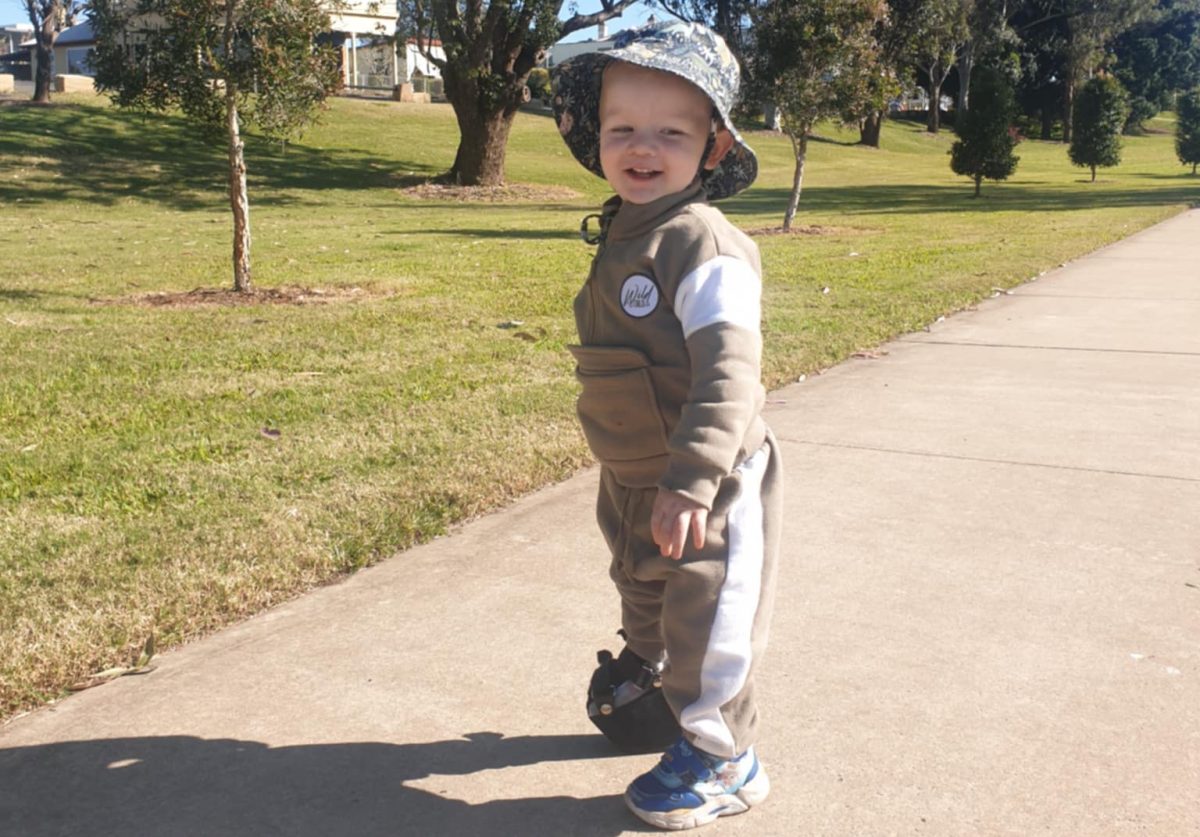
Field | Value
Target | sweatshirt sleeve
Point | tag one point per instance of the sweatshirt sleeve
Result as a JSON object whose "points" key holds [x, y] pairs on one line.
{"points": [[719, 306]]}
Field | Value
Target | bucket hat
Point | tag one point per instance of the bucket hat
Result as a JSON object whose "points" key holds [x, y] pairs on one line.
{"points": [[688, 50]]}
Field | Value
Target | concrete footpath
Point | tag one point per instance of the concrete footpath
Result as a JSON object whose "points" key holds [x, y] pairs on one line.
{"points": [[988, 621]]}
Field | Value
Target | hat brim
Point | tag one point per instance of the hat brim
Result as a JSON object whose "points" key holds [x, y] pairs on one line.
{"points": [[577, 113]]}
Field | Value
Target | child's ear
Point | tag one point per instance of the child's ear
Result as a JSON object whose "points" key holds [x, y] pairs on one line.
{"points": [[721, 147]]}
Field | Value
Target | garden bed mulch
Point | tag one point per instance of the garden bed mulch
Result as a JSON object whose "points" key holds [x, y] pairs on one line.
{"points": [[489, 194], [226, 297]]}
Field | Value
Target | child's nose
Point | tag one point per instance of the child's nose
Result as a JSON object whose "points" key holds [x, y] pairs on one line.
{"points": [[644, 142]]}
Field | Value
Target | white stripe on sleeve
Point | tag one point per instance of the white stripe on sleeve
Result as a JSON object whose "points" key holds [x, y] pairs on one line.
{"points": [[722, 290]]}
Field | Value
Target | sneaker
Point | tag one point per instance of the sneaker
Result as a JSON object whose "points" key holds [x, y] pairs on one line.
{"points": [[690, 788]]}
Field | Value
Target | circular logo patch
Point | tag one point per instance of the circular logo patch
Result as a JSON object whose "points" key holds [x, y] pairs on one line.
{"points": [[639, 296]]}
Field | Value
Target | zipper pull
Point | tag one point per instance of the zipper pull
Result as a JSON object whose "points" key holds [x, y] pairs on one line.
{"points": [[587, 237]]}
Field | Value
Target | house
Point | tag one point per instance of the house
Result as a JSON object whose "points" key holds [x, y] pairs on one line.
{"points": [[13, 36], [16, 43], [73, 51], [371, 55], [561, 52], [362, 30]]}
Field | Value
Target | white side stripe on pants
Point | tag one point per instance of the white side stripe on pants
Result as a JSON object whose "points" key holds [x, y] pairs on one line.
{"points": [[728, 655]]}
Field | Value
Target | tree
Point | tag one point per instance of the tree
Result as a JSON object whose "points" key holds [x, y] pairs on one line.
{"points": [[986, 140], [1158, 57], [226, 64], [1100, 110], [1040, 88], [987, 30], [489, 50], [1187, 129], [815, 60], [49, 18], [1085, 28], [539, 83], [892, 42], [939, 29]]}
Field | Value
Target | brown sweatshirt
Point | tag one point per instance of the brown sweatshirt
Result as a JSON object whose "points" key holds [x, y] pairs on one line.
{"points": [[671, 348]]}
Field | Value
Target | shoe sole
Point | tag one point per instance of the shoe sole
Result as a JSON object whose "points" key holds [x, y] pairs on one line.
{"points": [[748, 795]]}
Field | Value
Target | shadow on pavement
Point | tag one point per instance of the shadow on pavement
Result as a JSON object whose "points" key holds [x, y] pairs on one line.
{"points": [[182, 785]]}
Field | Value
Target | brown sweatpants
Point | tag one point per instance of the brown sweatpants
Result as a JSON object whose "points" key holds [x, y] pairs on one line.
{"points": [[707, 614]]}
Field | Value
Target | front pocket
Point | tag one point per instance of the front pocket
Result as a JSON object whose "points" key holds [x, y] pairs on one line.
{"points": [[617, 407]]}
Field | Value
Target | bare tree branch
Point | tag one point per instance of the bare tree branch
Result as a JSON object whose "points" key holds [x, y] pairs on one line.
{"points": [[611, 9]]}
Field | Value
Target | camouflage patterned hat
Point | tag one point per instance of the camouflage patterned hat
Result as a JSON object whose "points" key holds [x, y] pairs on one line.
{"points": [[688, 50]]}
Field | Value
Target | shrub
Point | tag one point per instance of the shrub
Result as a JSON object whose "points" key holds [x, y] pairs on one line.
{"points": [[1099, 115], [986, 137], [1187, 129]]}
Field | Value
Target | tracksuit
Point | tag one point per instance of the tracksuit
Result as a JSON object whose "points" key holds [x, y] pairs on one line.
{"points": [[669, 363]]}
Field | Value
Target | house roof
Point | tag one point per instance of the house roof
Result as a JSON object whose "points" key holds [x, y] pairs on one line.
{"points": [[79, 34]]}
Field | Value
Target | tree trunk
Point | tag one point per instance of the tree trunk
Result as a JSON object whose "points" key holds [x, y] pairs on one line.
{"points": [[978, 182], [1093, 174], [933, 120], [800, 147], [870, 128], [1068, 107], [46, 33], [239, 201], [483, 141], [771, 116], [1047, 123], [45, 69], [966, 63]]}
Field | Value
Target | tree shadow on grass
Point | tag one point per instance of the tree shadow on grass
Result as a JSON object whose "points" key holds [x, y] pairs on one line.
{"points": [[922, 199], [95, 154], [179, 785], [533, 235], [13, 295]]}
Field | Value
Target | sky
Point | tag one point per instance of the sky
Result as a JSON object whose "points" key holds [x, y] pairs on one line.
{"points": [[13, 11]]}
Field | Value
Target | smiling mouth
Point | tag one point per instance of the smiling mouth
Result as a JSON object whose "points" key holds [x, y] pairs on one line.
{"points": [[642, 174]]}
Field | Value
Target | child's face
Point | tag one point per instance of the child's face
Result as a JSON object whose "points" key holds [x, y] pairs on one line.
{"points": [[653, 130]]}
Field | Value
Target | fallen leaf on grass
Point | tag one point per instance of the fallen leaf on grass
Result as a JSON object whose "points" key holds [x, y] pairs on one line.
{"points": [[139, 664], [270, 433]]}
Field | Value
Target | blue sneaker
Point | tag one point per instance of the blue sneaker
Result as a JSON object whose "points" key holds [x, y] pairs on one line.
{"points": [[690, 788]]}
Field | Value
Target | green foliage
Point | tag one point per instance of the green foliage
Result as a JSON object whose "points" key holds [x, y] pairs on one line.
{"points": [[816, 60], [154, 55], [539, 83], [1158, 56], [1100, 110], [1187, 129], [985, 145]]}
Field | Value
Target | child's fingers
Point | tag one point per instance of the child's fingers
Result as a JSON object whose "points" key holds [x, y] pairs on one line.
{"points": [[699, 526], [678, 537]]}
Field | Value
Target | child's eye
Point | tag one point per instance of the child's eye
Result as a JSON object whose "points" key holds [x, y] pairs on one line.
{"points": [[672, 132]]}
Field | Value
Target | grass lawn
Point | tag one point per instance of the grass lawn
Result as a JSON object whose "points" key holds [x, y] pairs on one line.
{"points": [[168, 469]]}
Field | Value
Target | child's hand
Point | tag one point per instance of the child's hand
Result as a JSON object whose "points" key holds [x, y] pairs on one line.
{"points": [[670, 520]]}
